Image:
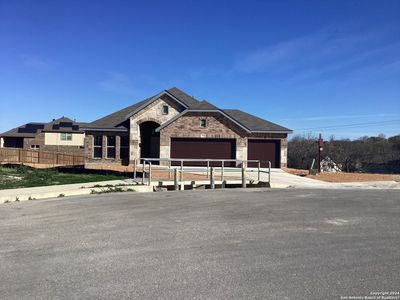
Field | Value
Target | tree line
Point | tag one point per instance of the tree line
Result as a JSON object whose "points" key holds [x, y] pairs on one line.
{"points": [[376, 154]]}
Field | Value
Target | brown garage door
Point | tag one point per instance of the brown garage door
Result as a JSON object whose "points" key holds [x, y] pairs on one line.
{"points": [[264, 150], [203, 148]]}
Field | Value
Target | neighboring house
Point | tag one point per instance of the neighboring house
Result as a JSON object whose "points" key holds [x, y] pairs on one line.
{"points": [[61, 135], [173, 124]]}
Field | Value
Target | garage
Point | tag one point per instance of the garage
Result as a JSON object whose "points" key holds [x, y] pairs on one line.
{"points": [[203, 149], [267, 150]]}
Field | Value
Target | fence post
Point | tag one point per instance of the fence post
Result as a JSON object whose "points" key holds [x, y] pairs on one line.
{"points": [[212, 183], [176, 186], [243, 177], [149, 183], [259, 166], [222, 171], [208, 168], [20, 156]]}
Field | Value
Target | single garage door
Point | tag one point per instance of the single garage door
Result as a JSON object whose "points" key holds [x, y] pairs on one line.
{"points": [[203, 148], [264, 150]]}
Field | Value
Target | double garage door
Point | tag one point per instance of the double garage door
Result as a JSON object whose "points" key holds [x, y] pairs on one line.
{"points": [[189, 148], [203, 149]]}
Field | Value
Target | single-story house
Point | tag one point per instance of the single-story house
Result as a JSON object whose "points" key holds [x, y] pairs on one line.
{"points": [[171, 124]]}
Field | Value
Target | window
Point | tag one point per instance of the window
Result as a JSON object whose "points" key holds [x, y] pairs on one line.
{"points": [[98, 146], [165, 109], [35, 147], [65, 136], [203, 123], [110, 146], [124, 147]]}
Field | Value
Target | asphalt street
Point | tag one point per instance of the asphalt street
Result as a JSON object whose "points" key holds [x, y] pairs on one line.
{"points": [[222, 244]]}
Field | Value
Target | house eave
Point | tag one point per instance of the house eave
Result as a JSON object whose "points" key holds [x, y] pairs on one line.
{"points": [[104, 129]]}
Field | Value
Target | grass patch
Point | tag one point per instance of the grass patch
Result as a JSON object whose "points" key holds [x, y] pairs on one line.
{"points": [[13, 177], [115, 189]]}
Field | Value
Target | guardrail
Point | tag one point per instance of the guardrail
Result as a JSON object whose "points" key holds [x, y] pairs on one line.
{"points": [[211, 171]]}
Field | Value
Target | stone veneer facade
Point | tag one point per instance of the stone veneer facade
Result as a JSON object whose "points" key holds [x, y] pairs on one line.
{"points": [[153, 112]]}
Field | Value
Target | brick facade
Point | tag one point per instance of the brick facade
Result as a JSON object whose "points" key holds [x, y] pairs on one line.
{"points": [[104, 160], [218, 126]]}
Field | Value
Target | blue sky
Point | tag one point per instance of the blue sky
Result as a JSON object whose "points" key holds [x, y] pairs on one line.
{"points": [[313, 66]]}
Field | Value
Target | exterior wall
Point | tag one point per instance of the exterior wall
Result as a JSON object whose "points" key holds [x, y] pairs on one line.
{"points": [[104, 161], [54, 139], [153, 112], [218, 126], [40, 141]]}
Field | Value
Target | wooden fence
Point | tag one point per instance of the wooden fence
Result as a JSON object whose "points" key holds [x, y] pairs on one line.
{"points": [[33, 157]]}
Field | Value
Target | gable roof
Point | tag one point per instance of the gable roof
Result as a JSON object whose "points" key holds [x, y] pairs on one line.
{"points": [[32, 129], [115, 119], [26, 130], [254, 123]]}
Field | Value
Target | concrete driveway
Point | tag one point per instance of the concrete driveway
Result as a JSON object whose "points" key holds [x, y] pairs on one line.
{"points": [[223, 244]]}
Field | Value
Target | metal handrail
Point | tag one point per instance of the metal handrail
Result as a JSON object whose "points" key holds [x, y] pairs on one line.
{"points": [[182, 167]]}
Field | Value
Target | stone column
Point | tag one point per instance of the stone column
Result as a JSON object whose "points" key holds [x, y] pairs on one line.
{"points": [[284, 149]]}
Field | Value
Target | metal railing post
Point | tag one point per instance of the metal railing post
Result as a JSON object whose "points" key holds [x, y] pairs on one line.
{"points": [[176, 186], [149, 182], [134, 168], [208, 168], [144, 163], [182, 184], [169, 169], [222, 171], [269, 172], [258, 167], [212, 183], [243, 177]]}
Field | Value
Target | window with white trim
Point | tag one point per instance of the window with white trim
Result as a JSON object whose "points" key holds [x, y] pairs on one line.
{"points": [[66, 136], [35, 147]]}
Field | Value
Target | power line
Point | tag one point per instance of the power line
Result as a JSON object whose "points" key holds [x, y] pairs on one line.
{"points": [[352, 125]]}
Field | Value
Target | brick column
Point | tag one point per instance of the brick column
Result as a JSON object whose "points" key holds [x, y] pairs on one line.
{"points": [[104, 147], [117, 147]]}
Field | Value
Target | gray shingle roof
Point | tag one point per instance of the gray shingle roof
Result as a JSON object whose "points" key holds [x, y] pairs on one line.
{"points": [[203, 105], [118, 117], [26, 130], [254, 123]]}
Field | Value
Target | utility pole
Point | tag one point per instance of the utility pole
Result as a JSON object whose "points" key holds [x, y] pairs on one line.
{"points": [[320, 149]]}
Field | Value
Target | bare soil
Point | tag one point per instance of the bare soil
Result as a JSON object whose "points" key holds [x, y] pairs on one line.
{"points": [[344, 177]]}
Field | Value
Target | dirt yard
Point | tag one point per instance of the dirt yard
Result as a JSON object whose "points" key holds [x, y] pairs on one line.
{"points": [[344, 177]]}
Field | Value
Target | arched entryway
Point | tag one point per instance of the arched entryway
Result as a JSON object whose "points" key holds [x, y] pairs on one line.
{"points": [[149, 140]]}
